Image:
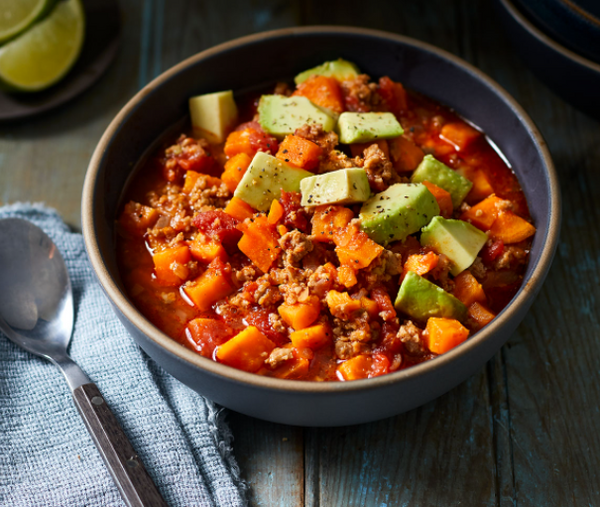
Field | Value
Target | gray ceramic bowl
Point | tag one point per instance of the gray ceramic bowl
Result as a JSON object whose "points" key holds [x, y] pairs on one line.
{"points": [[265, 58]]}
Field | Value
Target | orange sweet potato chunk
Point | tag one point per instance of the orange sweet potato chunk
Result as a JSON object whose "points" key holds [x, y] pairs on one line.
{"points": [[170, 265], [327, 220], [459, 134], [323, 91], [246, 351], [443, 198], [511, 228], [299, 152], [468, 290], [444, 334], [239, 209], [405, 155], [260, 242], [214, 284], [300, 315], [235, 168], [311, 337]]}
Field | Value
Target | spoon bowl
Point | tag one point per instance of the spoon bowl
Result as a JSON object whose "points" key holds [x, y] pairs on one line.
{"points": [[36, 313]]}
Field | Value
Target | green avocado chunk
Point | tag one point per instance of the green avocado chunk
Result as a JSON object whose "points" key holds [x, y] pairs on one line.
{"points": [[421, 299], [213, 115], [440, 174], [456, 239], [280, 116], [363, 127], [344, 186], [264, 180], [395, 213], [339, 69]]}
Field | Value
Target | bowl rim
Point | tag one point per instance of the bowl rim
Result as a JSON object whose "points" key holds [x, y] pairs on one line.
{"points": [[178, 351], [527, 25]]}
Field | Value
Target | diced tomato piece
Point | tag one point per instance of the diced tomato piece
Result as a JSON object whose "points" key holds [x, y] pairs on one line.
{"points": [[204, 335], [191, 156], [294, 216], [393, 94], [219, 226], [261, 320], [489, 253]]}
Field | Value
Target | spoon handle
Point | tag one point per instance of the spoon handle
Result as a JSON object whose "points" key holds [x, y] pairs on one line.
{"points": [[125, 466]]}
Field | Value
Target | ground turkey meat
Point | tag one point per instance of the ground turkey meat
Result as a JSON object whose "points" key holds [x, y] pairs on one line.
{"points": [[336, 159], [279, 356], [440, 273], [412, 338], [266, 294], [205, 196], [294, 245], [315, 133], [511, 257], [477, 269], [379, 169], [353, 337], [382, 269], [360, 95]]}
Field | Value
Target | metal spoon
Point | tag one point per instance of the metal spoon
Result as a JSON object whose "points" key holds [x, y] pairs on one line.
{"points": [[36, 313]]}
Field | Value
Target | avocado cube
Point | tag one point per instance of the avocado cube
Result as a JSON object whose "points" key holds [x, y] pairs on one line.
{"points": [[339, 69], [363, 127], [440, 174], [264, 180], [213, 115], [345, 186], [280, 116], [420, 299], [456, 239], [395, 213]]}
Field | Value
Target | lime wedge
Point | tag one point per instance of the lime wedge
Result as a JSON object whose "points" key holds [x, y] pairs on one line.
{"points": [[43, 54], [17, 15]]}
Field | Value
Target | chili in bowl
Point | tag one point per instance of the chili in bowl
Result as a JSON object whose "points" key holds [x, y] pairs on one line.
{"points": [[342, 226]]}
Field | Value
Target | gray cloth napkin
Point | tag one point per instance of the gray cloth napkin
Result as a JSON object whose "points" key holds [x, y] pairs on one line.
{"points": [[47, 458]]}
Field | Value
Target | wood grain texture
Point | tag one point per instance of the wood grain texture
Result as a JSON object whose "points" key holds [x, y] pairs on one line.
{"points": [[521, 432]]}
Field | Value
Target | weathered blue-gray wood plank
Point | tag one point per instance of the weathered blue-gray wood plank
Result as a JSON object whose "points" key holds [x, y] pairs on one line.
{"points": [[524, 430]]}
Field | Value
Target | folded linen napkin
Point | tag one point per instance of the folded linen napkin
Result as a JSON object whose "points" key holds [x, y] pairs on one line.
{"points": [[47, 458]]}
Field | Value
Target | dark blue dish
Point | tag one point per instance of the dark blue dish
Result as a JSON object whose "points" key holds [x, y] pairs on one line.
{"points": [[571, 76], [265, 58], [573, 23]]}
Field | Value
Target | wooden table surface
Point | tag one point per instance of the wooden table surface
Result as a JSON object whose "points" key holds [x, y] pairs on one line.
{"points": [[525, 429]]}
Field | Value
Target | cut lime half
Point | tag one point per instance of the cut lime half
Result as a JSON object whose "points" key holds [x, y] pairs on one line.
{"points": [[17, 15], [43, 54]]}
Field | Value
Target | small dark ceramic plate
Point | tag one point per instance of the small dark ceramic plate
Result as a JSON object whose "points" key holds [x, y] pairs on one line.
{"points": [[234, 65], [571, 76], [573, 23], [102, 32]]}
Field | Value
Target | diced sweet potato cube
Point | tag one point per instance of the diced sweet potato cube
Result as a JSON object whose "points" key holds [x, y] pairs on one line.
{"points": [[511, 228], [137, 218], [343, 306], [421, 264], [246, 351], [311, 337], [347, 276], [275, 213], [170, 265], [443, 198], [299, 152], [483, 214], [323, 91], [459, 134], [260, 243], [364, 366], [235, 168], [444, 334], [467, 289], [239, 209], [480, 314], [205, 250], [327, 220], [405, 155], [192, 177], [354, 248], [214, 284], [300, 315]]}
